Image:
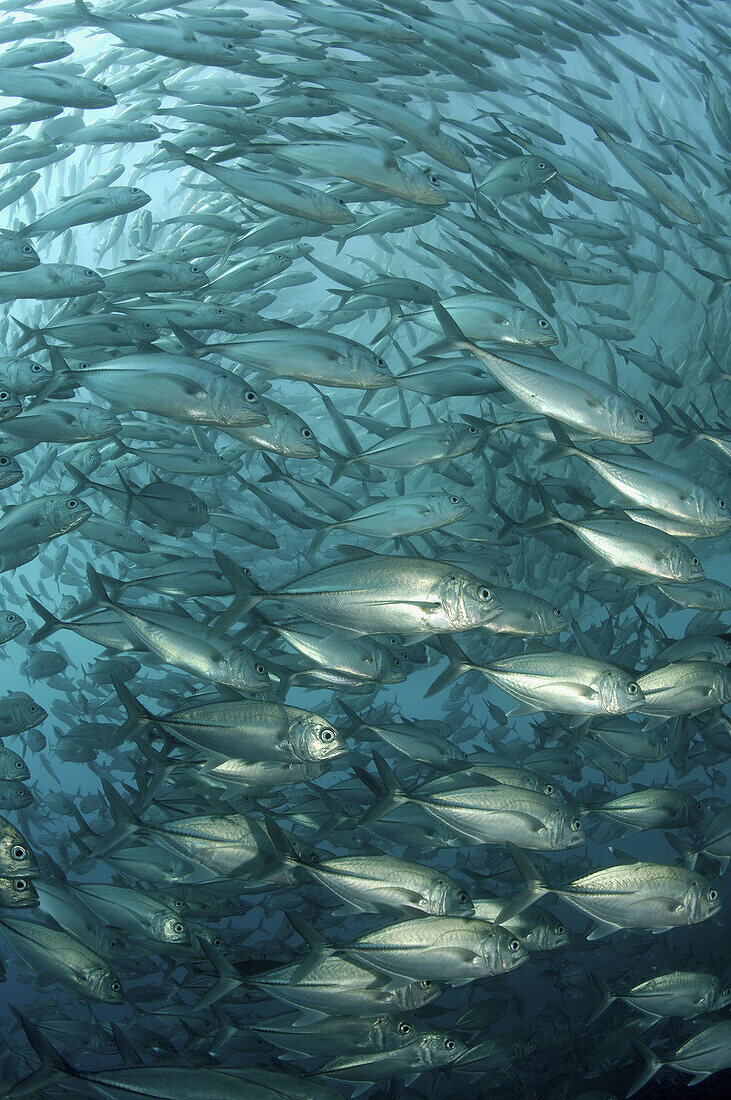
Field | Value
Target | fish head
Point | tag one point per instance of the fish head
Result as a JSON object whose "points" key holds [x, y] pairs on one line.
{"points": [[527, 327], [65, 513], [535, 171], [18, 893], [133, 197], [169, 928], [20, 255], [10, 471], [84, 280], [10, 404], [441, 1048], [628, 421], [701, 900], [390, 1032], [312, 739], [11, 625], [467, 602], [248, 674], [103, 985], [448, 507], [369, 371], [97, 421], [448, 899], [14, 796], [722, 997], [550, 934], [423, 185], [502, 950], [233, 403], [619, 693], [16, 858], [416, 994], [26, 375], [720, 689], [684, 565], [27, 710], [713, 511], [565, 830]]}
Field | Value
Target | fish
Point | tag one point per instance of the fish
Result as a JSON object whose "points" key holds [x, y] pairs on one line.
{"points": [[364, 528]]}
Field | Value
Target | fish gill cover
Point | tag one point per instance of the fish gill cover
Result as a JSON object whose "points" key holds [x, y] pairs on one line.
{"points": [[364, 474]]}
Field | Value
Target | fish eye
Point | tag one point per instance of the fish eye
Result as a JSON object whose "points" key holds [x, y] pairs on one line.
{"points": [[541, 164], [559, 930], [722, 504], [194, 268], [179, 928], [20, 884], [4, 462], [10, 618], [380, 362], [71, 504], [340, 202], [694, 561], [115, 987], [576, 825], [327, 734], [18, 852], [260, 669], [229, 46], [404, 1028], [454, 500], [641, 417], [4, 395], [32, 708], [450, 1044], [307, 433], [433, 179], [514, 945], [426, 984], [632, 688], [462, 898], [19, 763], [484, 593], [247, 571], [548, 789], [89, 272], [542, 323], [557, 612], [712, 895], [27, 248], [104, 87], [36, 368], [727, 991], [250, 396], [135, 191], [473, 431], [217, 942]]}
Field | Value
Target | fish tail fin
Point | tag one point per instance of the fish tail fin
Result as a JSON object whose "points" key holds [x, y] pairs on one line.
{"points": [[138, 717], [119, 809], [684, 849], [320, 537], [535, 886], [96, 586], [53, 1067], [458, 665], [320, 949], [28, 335], [247, 593], [356, 722], [547, 517], [81, 481], [651, 1065], [397, 317], [563, 447], [607, 997], [50, 623], [389, 792]]}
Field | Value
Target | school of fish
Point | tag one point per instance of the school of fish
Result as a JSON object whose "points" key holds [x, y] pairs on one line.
{"points": [[364, 549]]}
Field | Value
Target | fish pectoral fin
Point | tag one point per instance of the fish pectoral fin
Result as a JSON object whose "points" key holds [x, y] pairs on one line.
{"points": [[523, 709]]}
